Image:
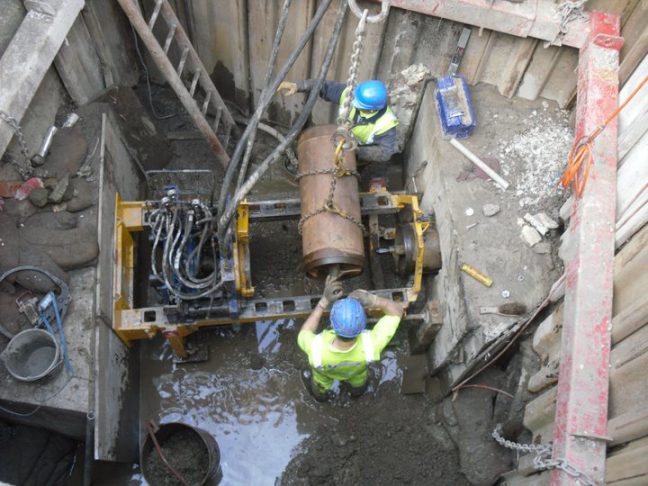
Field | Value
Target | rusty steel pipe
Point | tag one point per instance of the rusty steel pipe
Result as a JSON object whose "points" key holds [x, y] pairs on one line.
{"points": [[328, 239]]}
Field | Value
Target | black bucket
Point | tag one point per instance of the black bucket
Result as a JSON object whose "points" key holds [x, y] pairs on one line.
{"points": [[191, 452]]}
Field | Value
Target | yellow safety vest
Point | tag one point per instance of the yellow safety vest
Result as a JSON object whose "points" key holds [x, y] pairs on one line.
{"points": [[366, 133], [328, 364]]}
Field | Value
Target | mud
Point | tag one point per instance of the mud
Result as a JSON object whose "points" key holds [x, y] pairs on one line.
{"points": [[250, 397], [185, 452], [249, 394]]}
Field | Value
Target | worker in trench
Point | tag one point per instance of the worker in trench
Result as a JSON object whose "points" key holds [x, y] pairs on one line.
{"points": [[373, 123], [344, 352]]}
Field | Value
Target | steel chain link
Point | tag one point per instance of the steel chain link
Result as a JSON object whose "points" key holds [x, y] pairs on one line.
{"points": [[570, 10], [26, 169], [329, 205], [542, 460], [354, 68]]}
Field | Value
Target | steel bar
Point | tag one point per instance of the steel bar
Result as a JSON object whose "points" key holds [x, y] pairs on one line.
{"points": [[253, 310], [582, 400], [539, 19], [272, 210]]}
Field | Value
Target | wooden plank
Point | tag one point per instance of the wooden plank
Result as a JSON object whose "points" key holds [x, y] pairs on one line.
{"points": [[220, 31], [540, 411], [116, 386], [79, 66], [538, 72], [634, 28], [628, 384], [113, 41], [631, 318], [561, 85], [28, 57], [629, 426], [639, 105], [633, 135], [630, 276], [513, 71], [628, 465], [477, 50]]}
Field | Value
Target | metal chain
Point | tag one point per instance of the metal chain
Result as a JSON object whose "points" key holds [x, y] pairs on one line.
{"points": [[343, 119], [372, 19], [542, 460], [26, 169], [570, 10], [329, 205]]}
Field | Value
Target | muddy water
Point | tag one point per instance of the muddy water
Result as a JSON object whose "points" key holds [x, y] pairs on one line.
{"points": [[248, 395]]}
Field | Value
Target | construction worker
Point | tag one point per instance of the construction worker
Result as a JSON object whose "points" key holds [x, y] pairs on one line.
{"points": [[344, 352], [373, 121]]}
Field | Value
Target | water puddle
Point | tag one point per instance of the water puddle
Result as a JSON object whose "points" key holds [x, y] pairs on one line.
{"points": [[248, 395]]}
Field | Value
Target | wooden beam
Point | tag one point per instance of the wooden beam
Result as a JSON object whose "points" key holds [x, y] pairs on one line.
{"points": [[29, 55]]}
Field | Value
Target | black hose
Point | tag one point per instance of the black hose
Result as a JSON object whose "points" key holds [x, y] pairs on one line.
{"points": [[264, 93], [88, 457], [226, 216], [263, 103]]}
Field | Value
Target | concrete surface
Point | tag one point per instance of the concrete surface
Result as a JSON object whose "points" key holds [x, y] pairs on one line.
{"points": [[490, 244], [62, 400]]}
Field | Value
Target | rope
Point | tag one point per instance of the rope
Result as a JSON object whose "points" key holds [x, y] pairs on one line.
{"points": [[580, 158]]}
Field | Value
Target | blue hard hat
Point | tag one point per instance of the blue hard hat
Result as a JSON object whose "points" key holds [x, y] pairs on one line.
{"points": [[370, 95], [348, 318]]}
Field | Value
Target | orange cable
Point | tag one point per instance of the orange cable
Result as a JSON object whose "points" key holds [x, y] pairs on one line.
{"points": [[580, 154]]}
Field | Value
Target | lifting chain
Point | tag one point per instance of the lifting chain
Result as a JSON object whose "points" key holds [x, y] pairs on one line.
{"points": [[336, 172], [569, 10], [26, 168], [542, 460], [343, 132]]}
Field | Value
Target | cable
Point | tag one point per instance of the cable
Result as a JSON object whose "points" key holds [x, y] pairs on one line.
{"points": [[238, 151], [148, 79], [580, 157], [226, 217], [265, 92]]}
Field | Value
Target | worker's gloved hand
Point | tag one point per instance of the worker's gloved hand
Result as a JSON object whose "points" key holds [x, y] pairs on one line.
{"points": [[332, 292], [367, 299], [287, 88]]}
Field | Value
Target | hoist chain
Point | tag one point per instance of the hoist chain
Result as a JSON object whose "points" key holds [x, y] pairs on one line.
{"points": [[343, 132], [542, 460], [352, 81], [570, 10], [26, 168], [329, 206]]}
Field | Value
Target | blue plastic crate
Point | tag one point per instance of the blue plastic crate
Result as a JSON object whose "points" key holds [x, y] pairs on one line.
{"points": [[454, 106]]}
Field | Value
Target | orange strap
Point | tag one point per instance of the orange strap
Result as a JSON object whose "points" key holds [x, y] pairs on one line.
{"points": [[580, 157]]}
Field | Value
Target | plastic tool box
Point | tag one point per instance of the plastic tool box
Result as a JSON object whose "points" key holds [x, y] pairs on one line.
{"points": [[454, 106]]}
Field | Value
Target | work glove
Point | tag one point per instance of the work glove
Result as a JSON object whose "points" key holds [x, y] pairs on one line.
{"points": [[287, 88], [332, 292], [367, 299]]}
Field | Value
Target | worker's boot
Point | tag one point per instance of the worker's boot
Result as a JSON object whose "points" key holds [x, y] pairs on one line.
{"points": [[358, 391], [312, 388]]}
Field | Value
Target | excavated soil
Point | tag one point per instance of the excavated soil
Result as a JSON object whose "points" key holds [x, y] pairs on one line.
{"points": [[185, 452]]}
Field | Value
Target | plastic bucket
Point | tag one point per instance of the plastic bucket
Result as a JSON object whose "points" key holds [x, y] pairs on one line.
{"points": [[31, 355], [191, 451]]}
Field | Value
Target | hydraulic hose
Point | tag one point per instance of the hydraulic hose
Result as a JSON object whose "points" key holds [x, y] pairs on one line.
{"points": [[240, 194], [263, 103], [265, 92]]}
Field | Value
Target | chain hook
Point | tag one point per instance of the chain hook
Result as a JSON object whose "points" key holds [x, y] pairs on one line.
{"points": [[372, 19], [343, 135]]}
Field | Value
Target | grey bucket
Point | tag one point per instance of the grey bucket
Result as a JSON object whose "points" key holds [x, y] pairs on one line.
{"points": [[31, 355], [212, 471]]}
